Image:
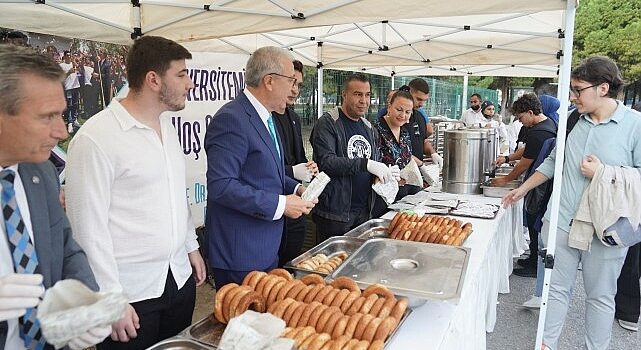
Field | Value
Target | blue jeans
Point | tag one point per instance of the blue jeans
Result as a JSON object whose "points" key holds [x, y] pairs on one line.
{"points": [[73, 98]]}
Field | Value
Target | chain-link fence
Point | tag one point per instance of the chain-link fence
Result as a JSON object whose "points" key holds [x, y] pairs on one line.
{"points": [[445, 97]]}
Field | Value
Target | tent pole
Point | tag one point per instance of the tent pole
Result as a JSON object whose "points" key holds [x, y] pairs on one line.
{"points": [[464, 98], [563, 93], [319, 92]]}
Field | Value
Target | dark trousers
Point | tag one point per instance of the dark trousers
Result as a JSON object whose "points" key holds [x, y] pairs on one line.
{"points": [[89, 96], [105, 92], [294, 239], [73, 99], [628, 298], [160, 318], [223, 277], [326, 228]]}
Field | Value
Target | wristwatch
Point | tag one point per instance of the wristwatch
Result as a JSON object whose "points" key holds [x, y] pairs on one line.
{"points": [[507, 159]]}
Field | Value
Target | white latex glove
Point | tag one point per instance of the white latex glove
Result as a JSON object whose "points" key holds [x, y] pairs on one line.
{"points": [[90, 338], [396, 173], [302, 173], [18, 292], [436, 158], [380, 170], [426, 175]]}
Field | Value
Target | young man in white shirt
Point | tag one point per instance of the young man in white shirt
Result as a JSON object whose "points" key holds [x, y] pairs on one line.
{"points": [[126, 199], [72, 90]]}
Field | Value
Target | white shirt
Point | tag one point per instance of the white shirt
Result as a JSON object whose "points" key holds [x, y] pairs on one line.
{"points": [[88, 73], [127, 203], [513, 130], [264, 114], [470, 117], [6, 261], [71, 82]]}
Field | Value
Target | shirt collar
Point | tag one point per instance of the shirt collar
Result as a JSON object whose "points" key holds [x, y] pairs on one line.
{"points": [[11, 167], [126, 120], [263, 113], [616, 117]]}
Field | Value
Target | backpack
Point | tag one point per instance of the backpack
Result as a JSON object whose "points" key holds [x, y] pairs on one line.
{"points": [[573, 118]]}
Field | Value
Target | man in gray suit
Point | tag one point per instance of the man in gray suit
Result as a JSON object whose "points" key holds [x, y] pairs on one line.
{"points": [[36, 246]]}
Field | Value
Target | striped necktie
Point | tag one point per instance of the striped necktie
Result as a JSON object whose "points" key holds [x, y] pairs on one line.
{"points": [[23, 253]]}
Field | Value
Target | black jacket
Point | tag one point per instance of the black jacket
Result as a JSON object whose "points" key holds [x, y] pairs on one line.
{"points": [[330, 153], [284, 120], [418, 133]]}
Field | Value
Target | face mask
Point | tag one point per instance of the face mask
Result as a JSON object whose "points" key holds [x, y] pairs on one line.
{"points": [[476, 107]]}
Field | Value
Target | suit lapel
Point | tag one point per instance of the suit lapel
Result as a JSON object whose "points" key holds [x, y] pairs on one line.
{"points": [[35, 191], [262, 131]]}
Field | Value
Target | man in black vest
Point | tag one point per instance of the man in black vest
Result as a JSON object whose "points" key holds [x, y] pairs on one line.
{"points": [[296, 166]]}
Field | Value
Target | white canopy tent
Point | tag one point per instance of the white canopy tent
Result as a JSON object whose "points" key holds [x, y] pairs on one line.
{"points": [[415, 37], [455, 45], [116, 21], [516, 38]]}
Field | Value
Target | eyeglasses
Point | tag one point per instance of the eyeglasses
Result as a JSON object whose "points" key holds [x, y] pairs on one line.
{"points": [[577, 92], [519, 116], [294, 80]]}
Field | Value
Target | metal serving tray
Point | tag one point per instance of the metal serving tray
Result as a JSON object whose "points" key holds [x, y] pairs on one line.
{"points": [[370, 229], [411, 269], [329, 247], [454, 212], [179, 344], [499, 191], [408, 311], [207, 331]]}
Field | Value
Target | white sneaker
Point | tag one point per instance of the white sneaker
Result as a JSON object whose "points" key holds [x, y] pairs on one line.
{"points": [[70, 128], [631, 326], [533, 304]]}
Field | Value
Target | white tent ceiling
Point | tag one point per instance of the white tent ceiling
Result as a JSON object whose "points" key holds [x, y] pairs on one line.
{"points": [[455, 45], [417, 37]]}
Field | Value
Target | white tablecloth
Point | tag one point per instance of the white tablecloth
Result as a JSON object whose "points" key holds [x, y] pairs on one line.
{"points": [[463, 324]]}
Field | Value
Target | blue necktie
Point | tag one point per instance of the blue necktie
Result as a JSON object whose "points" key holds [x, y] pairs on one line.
{"points": [[23, 253], [272, 133]]}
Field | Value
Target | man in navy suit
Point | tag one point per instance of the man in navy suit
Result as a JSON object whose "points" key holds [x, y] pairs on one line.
{"points": [[104, 67], [36, 245], [248, 191]]}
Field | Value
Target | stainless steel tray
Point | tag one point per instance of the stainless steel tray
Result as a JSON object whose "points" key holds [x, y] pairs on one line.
{"points": [[411, 269], [207, 331], [370, 229], [495, 212], [179, 344], [503, 170], [329, 247], [499, 191], [408, 311]]}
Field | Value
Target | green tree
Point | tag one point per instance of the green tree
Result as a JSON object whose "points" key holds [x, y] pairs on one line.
{"points": [[611, 28]]}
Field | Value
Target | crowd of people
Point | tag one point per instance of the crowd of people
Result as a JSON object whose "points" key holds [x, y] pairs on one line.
{"points": [[93, 78], [129, 226]]}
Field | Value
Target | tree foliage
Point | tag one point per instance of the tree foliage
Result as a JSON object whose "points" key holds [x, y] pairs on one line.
{"points": [[611, 28]]}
